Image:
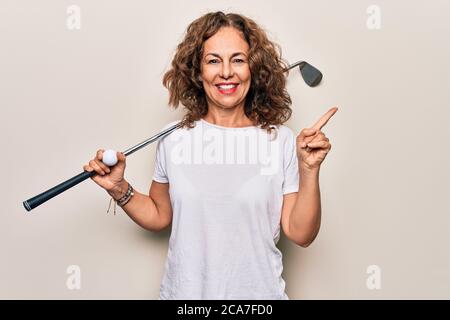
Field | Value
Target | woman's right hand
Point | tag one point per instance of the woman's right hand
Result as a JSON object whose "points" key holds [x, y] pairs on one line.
{"points": [[107, 177]]}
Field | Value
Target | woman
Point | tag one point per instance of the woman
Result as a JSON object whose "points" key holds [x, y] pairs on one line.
{"points": [[234, 170]]}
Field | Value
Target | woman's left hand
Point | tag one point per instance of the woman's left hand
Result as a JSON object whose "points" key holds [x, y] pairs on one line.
{"points": [[312, 144]]}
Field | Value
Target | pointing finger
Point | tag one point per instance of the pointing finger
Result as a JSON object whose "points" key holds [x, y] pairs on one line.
{"points": [[324, 119]]}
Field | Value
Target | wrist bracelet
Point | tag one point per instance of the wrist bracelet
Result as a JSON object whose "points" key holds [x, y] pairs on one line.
{"points": [[123, 200]]}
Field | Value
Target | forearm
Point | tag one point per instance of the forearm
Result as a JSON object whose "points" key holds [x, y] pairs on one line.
{"points": [[304, 222], [140, 208]]}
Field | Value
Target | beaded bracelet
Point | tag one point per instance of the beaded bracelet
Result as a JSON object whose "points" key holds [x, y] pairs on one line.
{"points": [[123, 200]]}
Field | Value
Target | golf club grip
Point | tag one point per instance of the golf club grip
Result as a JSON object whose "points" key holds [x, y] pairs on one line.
{"points": [[47, 195]]}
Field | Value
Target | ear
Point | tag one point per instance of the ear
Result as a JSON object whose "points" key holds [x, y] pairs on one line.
{"points": [[200, 78]]}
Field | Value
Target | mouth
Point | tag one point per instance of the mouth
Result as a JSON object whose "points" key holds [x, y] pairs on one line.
{"points": [[227, 88]]}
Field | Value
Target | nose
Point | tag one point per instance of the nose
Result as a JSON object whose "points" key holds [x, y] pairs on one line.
{"points": [[227, 70]]}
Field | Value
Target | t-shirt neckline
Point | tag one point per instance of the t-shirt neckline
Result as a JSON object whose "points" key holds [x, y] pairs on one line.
{"points": [[226, 128]]}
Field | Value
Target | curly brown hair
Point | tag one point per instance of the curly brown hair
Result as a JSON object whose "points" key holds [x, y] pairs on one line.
{"points": [[267, 102]]}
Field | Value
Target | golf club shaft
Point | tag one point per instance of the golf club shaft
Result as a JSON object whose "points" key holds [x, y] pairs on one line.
{"points": [[47, 195]]}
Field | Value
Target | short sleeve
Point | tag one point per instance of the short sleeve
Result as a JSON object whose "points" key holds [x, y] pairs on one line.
{"points": [[290, 164], [160, 173]]}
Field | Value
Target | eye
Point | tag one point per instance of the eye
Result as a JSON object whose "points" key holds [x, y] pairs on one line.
{"points": [[239, 60], [212, 61]]}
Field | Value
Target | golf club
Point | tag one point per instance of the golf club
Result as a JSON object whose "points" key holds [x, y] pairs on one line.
{"points": [[310, 74]]}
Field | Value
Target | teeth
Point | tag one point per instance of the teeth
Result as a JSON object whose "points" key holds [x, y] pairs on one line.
{"points": [[228, 86]]}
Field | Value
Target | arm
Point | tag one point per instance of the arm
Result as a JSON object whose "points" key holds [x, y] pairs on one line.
{"points": [[152, 212], [301, 213]]}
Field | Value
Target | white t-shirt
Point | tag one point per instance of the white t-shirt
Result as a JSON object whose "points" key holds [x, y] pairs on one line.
{"points": [[226, 190]]}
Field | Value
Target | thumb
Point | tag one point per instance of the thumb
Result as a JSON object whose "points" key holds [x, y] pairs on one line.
{"points": [[306, 133], [120, 157]]}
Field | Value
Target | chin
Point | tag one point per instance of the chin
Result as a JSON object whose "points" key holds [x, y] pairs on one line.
{"points": [[224, 103]]}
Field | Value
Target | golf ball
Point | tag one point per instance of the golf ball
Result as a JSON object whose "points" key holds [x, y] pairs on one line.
{"points": [[109, 157]]}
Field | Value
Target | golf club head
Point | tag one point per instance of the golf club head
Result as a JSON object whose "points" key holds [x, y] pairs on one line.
{"points": [[311, 75]]}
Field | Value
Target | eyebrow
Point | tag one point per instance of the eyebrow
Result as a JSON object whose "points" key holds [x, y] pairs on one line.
{"points": [[233, 55]]}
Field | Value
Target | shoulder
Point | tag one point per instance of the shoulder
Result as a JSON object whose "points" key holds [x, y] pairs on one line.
{"points": [[162, 139], [284, 132], [170, 124]]}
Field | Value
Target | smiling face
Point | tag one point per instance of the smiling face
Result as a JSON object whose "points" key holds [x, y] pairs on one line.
{"points": [[224, 69]]}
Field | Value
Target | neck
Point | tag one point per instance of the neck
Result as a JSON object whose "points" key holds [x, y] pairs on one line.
{"points": [[228, 117]]}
